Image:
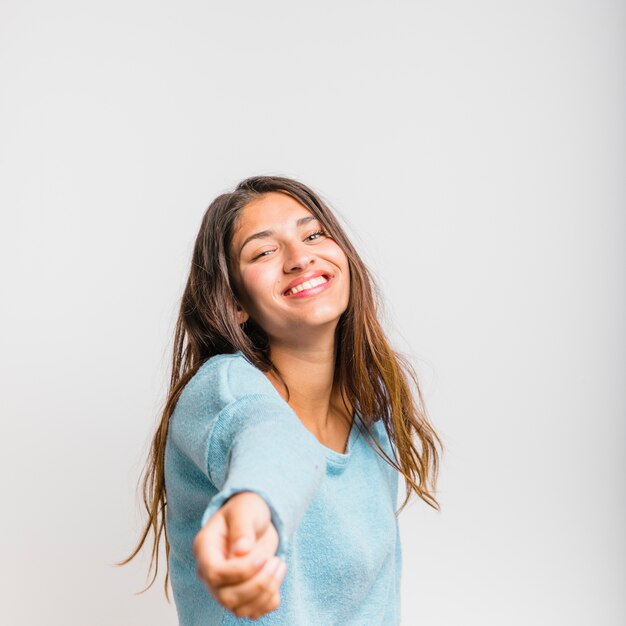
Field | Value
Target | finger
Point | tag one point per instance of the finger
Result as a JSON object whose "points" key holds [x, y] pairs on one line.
{"points": [[236, 570], [228, 572], [210, 547], [244, 524], [211, 550], [271, 605], [266, 602], [256, 592], [212, 537]]}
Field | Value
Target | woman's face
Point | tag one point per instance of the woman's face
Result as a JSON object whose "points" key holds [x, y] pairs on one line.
{"points": [[277, 246]]}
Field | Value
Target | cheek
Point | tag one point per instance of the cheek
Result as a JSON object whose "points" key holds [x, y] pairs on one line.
{"points": [[338, 257], [341, 260], [257, 283]]}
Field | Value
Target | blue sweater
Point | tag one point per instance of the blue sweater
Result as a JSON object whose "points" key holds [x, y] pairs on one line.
{"points": [[231, 431]]}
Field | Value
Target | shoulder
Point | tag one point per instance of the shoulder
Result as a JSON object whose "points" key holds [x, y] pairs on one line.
{"points": [[225, 378], [226, 395]]}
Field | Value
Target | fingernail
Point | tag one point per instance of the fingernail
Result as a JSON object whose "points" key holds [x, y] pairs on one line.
{"points": [[280, 571], [242, 544]]}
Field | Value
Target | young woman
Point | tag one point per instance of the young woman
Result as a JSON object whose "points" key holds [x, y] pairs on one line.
{"points": [[274, 470]]}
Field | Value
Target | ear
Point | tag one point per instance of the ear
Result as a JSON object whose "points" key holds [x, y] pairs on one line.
{"points": [[242, 316]]}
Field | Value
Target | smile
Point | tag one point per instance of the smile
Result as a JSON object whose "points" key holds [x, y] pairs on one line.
{"points": [[309, 287]]}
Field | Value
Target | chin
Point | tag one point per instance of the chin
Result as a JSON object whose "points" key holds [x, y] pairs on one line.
{"points": [[321, 322]]}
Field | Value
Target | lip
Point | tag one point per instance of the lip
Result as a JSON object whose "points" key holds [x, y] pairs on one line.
{"points": [[304, 277]]}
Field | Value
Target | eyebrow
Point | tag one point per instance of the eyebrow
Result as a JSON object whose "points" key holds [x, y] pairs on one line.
{"points": [[268, 233]]}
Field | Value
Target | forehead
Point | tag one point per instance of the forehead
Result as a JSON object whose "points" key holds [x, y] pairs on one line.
{"points": [[269, 210]]}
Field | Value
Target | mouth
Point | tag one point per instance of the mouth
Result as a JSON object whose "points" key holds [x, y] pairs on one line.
{"points": [[310, 285]]}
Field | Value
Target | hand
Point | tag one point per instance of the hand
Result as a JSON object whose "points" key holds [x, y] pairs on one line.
{"points": [[235, 556]]}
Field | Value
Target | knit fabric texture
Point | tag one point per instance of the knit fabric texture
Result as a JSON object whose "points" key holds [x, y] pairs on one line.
{"points": [[232, 431]]}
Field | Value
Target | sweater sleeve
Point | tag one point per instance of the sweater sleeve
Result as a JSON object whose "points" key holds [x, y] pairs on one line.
{"points": [[257, 444]]}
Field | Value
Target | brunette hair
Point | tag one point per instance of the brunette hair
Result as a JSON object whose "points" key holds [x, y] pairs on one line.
{"points": [[377, 381]]}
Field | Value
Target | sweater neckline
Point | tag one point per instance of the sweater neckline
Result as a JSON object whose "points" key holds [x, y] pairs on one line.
{"points": [[332, 456]]}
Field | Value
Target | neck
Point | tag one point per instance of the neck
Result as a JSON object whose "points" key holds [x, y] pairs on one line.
{"points": [[308, 370]]}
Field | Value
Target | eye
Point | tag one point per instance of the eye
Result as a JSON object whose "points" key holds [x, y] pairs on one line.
{"points": [[258, 256], [316, 234]]}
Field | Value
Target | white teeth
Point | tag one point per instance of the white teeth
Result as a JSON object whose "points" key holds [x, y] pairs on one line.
{"points": [[314, 282]]}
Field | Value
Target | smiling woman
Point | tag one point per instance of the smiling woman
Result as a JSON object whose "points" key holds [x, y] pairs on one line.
{"points": [[274, 471]]}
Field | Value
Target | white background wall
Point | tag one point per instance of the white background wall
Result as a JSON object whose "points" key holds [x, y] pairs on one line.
{"points": [[476, 151]]}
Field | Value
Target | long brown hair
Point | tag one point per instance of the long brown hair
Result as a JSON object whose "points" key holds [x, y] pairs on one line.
{"points": [[373, 378]]}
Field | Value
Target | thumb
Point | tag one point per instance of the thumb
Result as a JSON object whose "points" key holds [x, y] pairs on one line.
{"points": [[241, 545], [241, 531]]}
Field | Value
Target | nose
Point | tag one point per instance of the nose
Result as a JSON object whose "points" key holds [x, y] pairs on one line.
{"points": [[298, 257]]}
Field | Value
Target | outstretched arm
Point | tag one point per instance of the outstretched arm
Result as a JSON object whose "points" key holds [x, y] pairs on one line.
{"points": [[267, 467], [259, 444]]}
